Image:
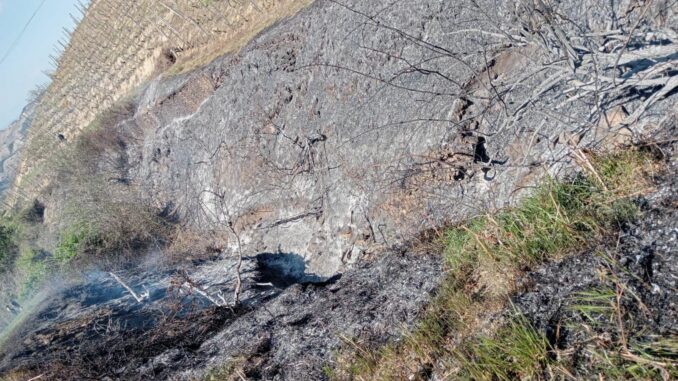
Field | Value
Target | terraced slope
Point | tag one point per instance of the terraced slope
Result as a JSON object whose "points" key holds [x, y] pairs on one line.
{"points": [[121, 44]]}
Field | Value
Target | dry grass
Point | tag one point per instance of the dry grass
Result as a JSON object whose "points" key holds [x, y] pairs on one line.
{"points": [[19, 376], [231, 371], [186, 243], [610, 320], [99, 211], [210, 50]]}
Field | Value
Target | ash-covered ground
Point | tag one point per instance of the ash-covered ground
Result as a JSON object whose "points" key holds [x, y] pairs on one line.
{"points": [[286, 328]]}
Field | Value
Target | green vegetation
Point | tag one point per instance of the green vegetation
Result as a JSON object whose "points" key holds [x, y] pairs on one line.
{"points": [[19, 262], [99, 211], [32, 271], [7, 244], [73, 242], [606, 316], [595, 305], [465, 329], [516, 351], [106, 227]]}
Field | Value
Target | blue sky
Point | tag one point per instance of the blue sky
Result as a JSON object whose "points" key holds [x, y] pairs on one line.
{"points": [[22, 69]]}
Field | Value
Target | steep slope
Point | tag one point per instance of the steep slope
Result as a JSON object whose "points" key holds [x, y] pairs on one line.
{"points": [[322, 138], [119, 45], [343, 140], [12, 139]]}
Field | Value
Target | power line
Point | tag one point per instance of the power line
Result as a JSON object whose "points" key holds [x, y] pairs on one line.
{"points": [[21, 34]]}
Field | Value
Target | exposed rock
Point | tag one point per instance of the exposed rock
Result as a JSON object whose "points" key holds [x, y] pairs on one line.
{"points": [[11, 140], [321, 138]]}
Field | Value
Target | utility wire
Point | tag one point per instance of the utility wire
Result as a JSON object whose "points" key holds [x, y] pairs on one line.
{"points": [[21, 34]]}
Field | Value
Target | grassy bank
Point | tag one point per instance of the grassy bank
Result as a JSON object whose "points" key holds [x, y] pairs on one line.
{"points": [[470, 331]]}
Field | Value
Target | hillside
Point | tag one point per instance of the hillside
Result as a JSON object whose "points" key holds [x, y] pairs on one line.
{"points": [[416, 190], [119, 45], [13, 139]]}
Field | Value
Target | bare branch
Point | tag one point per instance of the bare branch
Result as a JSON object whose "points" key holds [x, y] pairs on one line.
{"points": [[139, 298]]}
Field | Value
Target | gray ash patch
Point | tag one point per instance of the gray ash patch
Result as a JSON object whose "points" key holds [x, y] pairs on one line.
{"points": [[295, 334]]}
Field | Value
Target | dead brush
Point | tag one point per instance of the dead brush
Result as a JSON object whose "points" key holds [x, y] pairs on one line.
{"points": [[95, 205], [187, 243], [108, 347]]}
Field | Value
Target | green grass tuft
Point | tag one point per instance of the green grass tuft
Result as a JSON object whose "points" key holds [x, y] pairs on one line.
{"points": [[73, 242], [32, 271], [8, 245], [516, 352], [556, 218], [596, 306]]}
